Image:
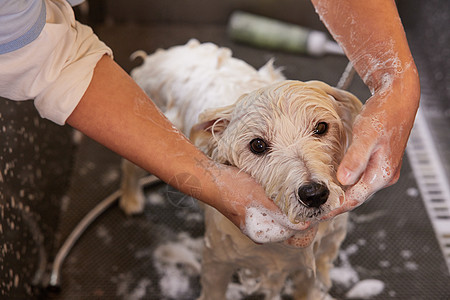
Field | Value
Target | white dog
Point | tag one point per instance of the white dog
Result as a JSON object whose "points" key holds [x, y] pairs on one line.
{"points": [[289, 135]]}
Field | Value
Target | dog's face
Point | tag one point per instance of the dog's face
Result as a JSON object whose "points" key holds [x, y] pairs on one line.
{"points": [[290, 137]]}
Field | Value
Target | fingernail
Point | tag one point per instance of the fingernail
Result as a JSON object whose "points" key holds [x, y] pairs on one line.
{"points": [[345, 176], [341, 199]]}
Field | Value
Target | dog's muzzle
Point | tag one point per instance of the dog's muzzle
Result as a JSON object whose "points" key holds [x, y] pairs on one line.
{"points": [[313, 194]]}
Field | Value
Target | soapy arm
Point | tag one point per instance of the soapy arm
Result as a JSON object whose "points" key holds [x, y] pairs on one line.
{"points": [[117, 113], [372, 36]]}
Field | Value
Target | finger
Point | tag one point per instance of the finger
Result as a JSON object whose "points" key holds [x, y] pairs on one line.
{"points": [[371, 181], [396, 176], [304, 238], [355, 160], [358, 194], [347, 206], [354, 197]]}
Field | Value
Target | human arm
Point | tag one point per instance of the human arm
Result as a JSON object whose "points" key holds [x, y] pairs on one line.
{"points": [[70, 63], [372, 36], [72, 78]]}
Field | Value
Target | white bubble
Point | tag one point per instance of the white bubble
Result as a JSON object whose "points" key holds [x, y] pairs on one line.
{"points": [[366, 289], [261, 227], [412, 192]]}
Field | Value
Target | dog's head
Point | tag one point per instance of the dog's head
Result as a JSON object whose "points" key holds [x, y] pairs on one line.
{"points": [[290, 136]]}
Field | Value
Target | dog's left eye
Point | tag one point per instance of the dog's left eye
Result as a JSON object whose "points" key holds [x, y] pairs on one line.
{"points": [[258, 146], [321, 128]]}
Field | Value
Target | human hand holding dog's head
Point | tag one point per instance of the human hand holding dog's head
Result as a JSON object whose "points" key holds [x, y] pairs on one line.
{"points": [[244, 202], [380, 134]]}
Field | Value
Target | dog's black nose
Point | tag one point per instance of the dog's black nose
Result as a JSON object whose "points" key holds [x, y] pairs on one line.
{"points": [[313, 194]]}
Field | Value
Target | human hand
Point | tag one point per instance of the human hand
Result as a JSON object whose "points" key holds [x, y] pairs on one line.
{"points": [[380, 135], [244, 202]]}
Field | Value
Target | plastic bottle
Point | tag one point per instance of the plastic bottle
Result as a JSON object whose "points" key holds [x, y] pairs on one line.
{"points": [[273, 34]]}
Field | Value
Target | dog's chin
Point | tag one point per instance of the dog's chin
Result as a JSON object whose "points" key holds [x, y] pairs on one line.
{"points": [[297, 212], [310, 213]]}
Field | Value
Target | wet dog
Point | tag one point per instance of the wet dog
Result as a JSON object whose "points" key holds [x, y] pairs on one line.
{"points": [[289, 135]]}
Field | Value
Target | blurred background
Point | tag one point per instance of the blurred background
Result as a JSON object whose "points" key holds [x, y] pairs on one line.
{"points": [[51, 176]]}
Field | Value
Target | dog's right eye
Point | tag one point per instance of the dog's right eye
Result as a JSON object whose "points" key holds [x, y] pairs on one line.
{"points": [[258, 146], [321, 128]]}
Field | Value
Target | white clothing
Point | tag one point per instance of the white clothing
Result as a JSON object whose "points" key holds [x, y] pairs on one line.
{"points": [[54, 69]]}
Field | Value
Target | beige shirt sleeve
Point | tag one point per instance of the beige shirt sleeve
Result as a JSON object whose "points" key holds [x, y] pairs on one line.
{"points": [[55, 69]]}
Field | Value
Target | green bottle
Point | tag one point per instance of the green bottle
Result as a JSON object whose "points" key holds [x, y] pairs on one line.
{"points": [[273, 34]]}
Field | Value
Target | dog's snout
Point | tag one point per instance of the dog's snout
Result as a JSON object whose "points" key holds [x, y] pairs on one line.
{"points": [[313, 194]]}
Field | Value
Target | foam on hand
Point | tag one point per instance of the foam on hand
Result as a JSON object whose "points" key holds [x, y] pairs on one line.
{"points": [[303, 239], [264, 226]]}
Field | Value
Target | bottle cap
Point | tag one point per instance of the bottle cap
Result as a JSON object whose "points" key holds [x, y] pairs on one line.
{"points": [[318, 44]]}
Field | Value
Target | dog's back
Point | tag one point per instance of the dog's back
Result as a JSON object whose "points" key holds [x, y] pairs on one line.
{"points": [[185, 80]]}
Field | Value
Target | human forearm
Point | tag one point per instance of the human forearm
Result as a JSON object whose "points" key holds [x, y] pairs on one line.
{"points": [[373, 38], [117, 113]]}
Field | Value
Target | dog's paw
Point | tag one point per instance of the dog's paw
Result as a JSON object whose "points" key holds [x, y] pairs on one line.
{"points": [[132, 204]]}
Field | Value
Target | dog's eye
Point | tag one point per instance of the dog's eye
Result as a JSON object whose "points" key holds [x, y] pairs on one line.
{"points": [[321, 128], [258, 146]]}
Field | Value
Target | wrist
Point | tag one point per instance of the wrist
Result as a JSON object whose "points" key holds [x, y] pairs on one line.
{"points": [[399, 80]]}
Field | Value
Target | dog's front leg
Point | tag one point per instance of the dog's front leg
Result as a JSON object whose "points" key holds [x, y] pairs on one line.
{"points": [[214, 280], [302, 281], [132, 200]]}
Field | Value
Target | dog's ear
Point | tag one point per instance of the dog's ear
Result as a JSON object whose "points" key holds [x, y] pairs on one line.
{"points": [[206, 134]]}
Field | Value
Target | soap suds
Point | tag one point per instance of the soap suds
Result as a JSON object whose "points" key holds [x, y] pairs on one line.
{"points": [[411, 266], [176, 262], [367, 218], [155, 198], [235, 291], [412, 192], [345, 275], [366, 289], [406, 254], [140, 291], [125, 290], [104, 234], [263, 226]]}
